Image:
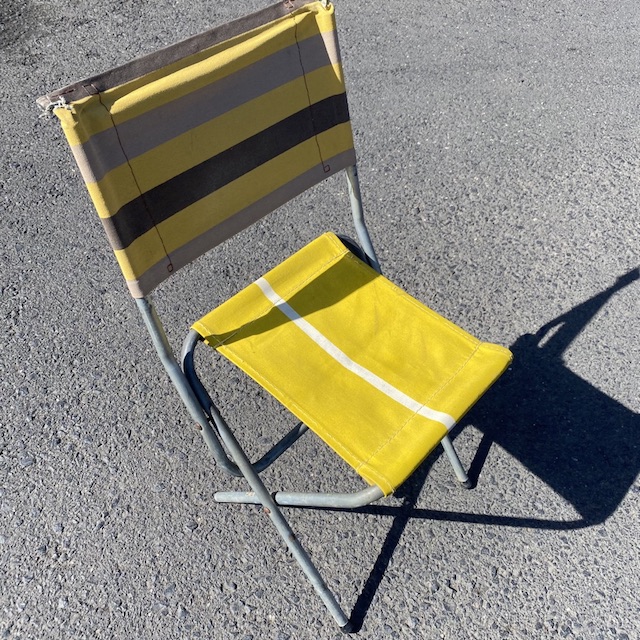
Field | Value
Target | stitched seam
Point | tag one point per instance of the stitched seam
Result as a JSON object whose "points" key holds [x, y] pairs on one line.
{"points": [[442, 386], [133, 176], [306, 86]]}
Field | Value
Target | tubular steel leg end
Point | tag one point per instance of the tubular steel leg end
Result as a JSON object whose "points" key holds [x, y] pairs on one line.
{"points": [[458, 469], [348, 628]]}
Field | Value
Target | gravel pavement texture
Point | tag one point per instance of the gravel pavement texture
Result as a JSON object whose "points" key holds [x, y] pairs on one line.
{"points": [[499, 154]]}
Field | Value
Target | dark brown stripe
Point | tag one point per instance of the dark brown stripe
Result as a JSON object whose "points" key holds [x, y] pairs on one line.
{"points": [[164, 57], [103, 152], [160, 203], [202, 243]]}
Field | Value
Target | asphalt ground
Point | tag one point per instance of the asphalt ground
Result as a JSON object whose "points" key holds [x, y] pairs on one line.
{"points": [[499, 153]]}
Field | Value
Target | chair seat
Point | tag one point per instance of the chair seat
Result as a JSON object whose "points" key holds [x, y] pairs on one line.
{"points": [[380, 377]]}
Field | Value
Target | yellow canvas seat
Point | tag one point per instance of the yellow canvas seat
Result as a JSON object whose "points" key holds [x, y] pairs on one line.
{"points": [[184, 148], [382, 394]]}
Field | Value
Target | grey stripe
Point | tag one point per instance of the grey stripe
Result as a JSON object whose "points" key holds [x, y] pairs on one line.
{"points": [[99, 155], [102, 152], [149, 209], [237, 222], [164, 57]]}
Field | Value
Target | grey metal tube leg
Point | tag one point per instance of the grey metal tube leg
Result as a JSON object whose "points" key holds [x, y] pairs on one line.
{"points": [[458, 469], [163, 348], [283, 527], [239, 457]]}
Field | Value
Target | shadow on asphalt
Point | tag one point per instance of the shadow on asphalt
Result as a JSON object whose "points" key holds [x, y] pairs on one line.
{"points": [[583, 444]]}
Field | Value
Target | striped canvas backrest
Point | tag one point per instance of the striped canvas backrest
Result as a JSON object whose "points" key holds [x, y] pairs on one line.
{"points": [[183, 148]]}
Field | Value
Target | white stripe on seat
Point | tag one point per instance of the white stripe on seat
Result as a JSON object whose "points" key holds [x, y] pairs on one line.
{"points": [[368, 376]]}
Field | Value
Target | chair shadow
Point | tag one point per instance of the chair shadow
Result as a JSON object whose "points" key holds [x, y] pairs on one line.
{"points": [[583, 444], [340, 280]]}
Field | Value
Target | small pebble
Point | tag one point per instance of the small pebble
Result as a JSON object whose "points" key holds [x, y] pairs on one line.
{"points": [[27, 461], [182, 613]]}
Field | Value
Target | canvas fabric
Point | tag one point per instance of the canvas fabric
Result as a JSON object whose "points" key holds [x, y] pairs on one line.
{"points": [[186, 147], [380, 377]]}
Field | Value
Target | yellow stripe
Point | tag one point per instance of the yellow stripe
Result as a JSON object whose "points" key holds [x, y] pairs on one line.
{"points": [[193, 72], [201, 143], [234, 197], [118, 188], [85, 118], [166, 161], [148, 252]]}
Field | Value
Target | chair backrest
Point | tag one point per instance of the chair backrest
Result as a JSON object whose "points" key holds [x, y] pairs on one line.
{"points": [[185, 147]]}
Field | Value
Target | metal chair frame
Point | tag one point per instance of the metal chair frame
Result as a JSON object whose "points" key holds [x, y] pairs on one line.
{"points": [[230, 456], [118, 154]]}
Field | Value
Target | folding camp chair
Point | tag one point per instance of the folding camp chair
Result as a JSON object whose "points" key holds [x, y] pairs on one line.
{"points": [[186, 147]]}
